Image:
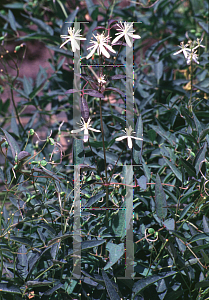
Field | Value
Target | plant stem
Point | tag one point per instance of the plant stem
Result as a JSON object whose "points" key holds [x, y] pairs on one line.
{"points": [[103, 142], [190, 100]]}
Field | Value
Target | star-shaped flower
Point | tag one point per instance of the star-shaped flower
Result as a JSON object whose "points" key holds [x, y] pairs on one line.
{"points": [[192, 56], [72, 37], [100, 45], [128, 136], [184, 49], [127, 32], [198, 42], [85, 126]]}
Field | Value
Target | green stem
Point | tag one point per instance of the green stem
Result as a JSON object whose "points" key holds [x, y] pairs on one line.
{"points": [[190, 100]]}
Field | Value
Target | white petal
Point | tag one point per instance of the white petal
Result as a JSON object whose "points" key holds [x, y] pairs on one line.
{"points": [[65, 43], [74, 45], [110, 48], [178, 52], [117, 38], [77, 130], [136, 138], [134, 36], [129, 142], [128, 41], [96, 130], [86, 135], [103, 51], [121, 138], [92, 52]]}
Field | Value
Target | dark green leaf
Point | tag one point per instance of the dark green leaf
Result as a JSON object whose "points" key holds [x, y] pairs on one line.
{"points": [[91, 244], [185, 210], [158, 69], [115, 253], [78, 152], [146, 282], [200, 236], [110, 288], [137, 149], [52, 290], [160, 199], [189, 167], [21, 240], [174, 169], [13, 144], [12, 20], [94, 199], [7, 288], [22, 262], [200, 157]]}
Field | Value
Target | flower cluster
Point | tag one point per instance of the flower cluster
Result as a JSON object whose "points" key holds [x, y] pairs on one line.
{"points": [[190, 53], [101, 43], [101, 46]]}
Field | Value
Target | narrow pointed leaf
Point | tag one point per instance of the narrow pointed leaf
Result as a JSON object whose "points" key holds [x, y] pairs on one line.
{"points": [[160, 199], [7, 288], [94, 199], [109, 287], [21, 240], [200, 157], [137, 149], [78, 152], [188, 167], [22, 262], [146, 282], [174, 169], [13, 144]]}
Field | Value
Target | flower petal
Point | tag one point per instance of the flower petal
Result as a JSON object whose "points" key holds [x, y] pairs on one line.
{"points": [[77, 130], [117, 38], [121, 138], [130, 142]]}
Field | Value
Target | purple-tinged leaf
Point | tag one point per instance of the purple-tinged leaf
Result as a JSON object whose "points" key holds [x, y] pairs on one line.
{"points": [[100, 27], [160, 199], [112, 21], [119, 76], [23, 155], [94, 93], [84, 109], [115, 90], [71, 91]]}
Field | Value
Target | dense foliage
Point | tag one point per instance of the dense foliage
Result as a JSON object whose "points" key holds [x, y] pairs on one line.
{"points": [[67, 191]]}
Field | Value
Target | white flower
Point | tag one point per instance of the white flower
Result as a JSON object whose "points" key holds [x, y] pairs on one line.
{"points": [[86, 127], [128, 136], [72, 37], [100, 44], [192, 56], [127, 32], [101, 79], [198, 44], [184, 49]]}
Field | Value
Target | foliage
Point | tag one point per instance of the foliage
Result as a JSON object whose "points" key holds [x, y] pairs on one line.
{"points": [[42, 180]]}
